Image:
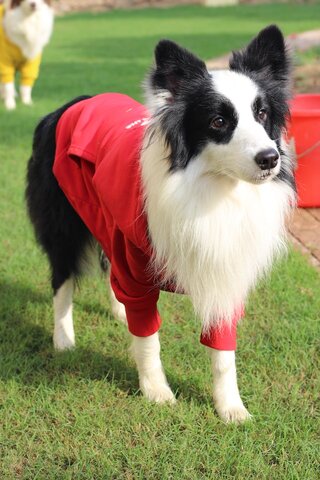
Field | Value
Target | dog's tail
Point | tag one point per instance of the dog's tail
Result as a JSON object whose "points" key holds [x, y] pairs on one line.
{"points": [[41, 161], [58, 228]]}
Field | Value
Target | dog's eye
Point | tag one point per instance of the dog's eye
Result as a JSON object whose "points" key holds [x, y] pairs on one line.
{"points": [[262, 115], [218, 122]]}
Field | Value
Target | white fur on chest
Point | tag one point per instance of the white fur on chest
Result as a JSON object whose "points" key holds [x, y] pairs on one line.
{"points": [[212, 235], [29, 32]]}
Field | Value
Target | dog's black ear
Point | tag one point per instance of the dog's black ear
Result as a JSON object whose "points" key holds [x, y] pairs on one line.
{"points": [[265, 54], [175, 67]]}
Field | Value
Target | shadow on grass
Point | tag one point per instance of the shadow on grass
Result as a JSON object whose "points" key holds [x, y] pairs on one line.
{"points": [[27, 354]]}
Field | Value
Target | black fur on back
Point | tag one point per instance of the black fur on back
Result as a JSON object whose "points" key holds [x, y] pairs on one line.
{"points": [[58, 228]]}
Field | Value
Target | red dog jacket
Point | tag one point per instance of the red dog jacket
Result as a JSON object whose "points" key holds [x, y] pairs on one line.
{"points": [[97, 165]]}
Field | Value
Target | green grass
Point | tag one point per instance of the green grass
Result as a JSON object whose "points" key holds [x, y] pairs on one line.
{"points": [[79, 415]]}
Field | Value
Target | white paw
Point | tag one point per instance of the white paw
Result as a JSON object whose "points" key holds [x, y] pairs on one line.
{"points": [[156, 392], [27, 101], [119, 312], [117, 308], [236, 413], [10, 104], [25, 94], [63, 341]]}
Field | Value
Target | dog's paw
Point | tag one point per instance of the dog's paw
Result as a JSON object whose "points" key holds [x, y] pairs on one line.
{"points": [[156, 392], [25, 95], [27, 101], [10, 104], [63, 341], [119, 312], [236, 413], [117, 308]]}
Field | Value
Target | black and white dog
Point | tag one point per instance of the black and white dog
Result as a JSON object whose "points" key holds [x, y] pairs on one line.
{"points": [[217, 185]]}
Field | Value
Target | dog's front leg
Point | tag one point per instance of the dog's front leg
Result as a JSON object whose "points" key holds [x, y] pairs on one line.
{"points": [[226, 395], [152, 379], [25, 94], [8, 93]]}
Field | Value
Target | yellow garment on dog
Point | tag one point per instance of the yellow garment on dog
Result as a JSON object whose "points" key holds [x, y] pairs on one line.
{"points": [[12, 60]]}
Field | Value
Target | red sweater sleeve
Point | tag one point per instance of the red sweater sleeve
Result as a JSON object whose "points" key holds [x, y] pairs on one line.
{"points": [[133, 286], [221, 338], [224, 336]]}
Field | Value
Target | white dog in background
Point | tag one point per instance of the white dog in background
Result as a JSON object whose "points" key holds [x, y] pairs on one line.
{"points": [[26, 27]]}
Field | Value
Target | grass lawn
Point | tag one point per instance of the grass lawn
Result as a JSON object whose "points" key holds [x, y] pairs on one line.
{"points": [[79, 415]]}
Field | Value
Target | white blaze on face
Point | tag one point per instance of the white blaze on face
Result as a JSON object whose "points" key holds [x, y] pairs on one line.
{"points": [[236, 158]]}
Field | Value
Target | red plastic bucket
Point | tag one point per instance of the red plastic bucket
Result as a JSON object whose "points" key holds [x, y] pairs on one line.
{"points": [[305, 129]]}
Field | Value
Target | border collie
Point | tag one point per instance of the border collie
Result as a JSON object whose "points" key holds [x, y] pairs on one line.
{"points": [[25, 29], [188, 194]]}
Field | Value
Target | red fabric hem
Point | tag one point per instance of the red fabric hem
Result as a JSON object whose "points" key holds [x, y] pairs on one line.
{"points": [[224, 336], [221, 338], [143, 322]]}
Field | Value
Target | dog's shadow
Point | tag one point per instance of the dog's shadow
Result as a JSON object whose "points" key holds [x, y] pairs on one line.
{"points": [[28, 357], [27, 353]]}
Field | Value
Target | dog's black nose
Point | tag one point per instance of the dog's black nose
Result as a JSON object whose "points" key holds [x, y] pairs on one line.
{"points": [[267, 159]]}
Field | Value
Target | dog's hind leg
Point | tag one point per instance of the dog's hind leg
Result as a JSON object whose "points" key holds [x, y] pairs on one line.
{"points": [[226, 395], [63, 336], [58, 228], [69, 257], [152, 379]]}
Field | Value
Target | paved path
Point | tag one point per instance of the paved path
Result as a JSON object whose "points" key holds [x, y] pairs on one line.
{"points": [[296, 42], [305, 233]]}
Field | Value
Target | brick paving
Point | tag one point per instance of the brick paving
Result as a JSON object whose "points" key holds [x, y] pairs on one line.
{"points": [[305, 233]]}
